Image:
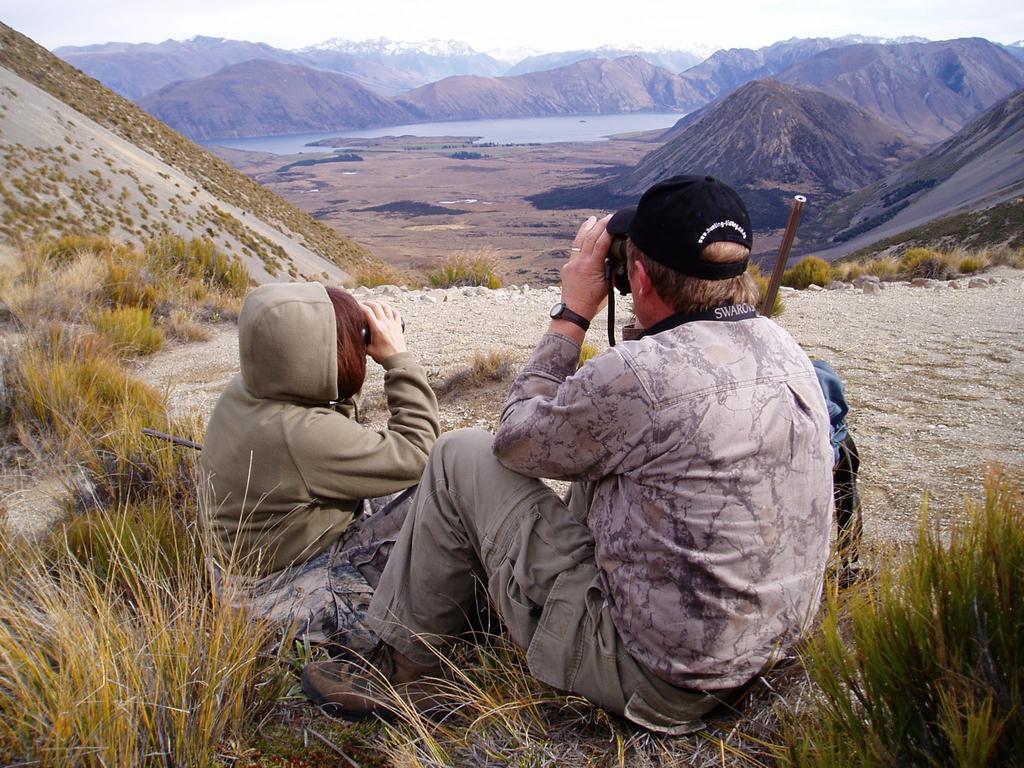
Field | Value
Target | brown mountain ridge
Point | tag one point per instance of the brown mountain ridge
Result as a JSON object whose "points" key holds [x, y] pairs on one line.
{"points": [[927, 91], [772, 139], [262, 97]]}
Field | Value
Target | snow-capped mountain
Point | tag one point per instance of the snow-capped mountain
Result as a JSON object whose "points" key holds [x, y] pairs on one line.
{"points": [[869, 39], [383, 46]]}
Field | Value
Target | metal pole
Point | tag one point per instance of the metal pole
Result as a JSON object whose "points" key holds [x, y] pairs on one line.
{"points": [[780, 262]]}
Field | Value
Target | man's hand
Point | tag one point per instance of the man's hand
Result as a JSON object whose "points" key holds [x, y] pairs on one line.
{"points": [[386, 337], [584, 289]]}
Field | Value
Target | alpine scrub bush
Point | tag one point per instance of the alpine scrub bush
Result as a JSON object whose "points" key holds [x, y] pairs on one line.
{"points": [[809, 271], [970, 265], [71, 247], [199, 261], [68, 385], [925, 666], [491, 366], [847, 271], [71, 399]]}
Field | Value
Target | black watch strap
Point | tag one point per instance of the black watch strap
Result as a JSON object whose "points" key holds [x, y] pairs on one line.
{"points": [[562, 312]]}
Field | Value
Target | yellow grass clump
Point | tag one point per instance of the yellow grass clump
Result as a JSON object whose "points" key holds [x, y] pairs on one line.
{"points": [[118, 666], [465, 269], [922, 666], [373, 275], [778, 306], [129, 330], [490, 366]]}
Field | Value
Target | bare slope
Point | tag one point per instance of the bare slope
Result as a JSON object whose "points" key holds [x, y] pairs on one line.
{"points": [[211, 175], [269, 98], [981, 165]]}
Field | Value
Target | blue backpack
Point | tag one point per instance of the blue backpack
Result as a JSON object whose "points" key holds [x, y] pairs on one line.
{"points": [[846, 464]]}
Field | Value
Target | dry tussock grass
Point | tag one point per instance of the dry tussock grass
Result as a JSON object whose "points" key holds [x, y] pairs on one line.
{"points": [[466, 269], [933, 263], [494, 365]]}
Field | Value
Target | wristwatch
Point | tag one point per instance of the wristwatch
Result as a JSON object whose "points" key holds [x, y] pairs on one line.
{"points": [[562, 312]]}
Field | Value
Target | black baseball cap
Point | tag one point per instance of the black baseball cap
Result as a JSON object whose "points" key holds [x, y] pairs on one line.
{"points": [[678, 217]]}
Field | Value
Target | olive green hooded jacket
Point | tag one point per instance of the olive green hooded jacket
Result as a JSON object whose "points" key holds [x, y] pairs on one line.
{"points": [[287, 466]]}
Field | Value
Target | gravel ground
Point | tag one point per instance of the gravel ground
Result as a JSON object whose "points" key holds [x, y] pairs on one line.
{"points": [[933, 376]]}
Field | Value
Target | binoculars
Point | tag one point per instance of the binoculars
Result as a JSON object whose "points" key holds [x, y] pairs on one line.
{"points": [[615, 271]]}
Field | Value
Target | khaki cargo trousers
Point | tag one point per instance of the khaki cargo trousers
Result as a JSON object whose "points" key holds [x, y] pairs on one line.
{"points": [[472, 518]]}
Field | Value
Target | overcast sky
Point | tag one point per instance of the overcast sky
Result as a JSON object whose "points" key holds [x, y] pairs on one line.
{"points": [[548, 25]]}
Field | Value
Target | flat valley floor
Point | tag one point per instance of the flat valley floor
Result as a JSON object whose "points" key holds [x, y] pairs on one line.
{"points": [[413, 202]]}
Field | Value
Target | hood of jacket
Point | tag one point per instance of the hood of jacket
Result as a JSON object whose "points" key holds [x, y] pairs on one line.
{"points": [[287, 343]]}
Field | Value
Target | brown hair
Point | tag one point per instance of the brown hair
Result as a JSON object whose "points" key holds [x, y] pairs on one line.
{"points": [[351, 348], [691, 294]]}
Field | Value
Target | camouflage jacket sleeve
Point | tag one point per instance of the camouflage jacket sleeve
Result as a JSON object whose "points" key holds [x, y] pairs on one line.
{"points": [[565, 424]]}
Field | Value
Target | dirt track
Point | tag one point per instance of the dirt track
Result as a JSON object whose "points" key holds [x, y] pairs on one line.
{"points": [[933, 375]]}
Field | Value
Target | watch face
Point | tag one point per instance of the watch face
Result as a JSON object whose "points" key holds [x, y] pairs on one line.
{"points": [[557, 309]]}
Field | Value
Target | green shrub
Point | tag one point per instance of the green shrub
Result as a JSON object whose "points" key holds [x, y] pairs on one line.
{"points": [[810, 271], [925, 667], [462, 270], [66, 384], [1006, 256], [128, 283], [197, 260], [70, 397], [71, 246], [129, 330], [845, 271]]}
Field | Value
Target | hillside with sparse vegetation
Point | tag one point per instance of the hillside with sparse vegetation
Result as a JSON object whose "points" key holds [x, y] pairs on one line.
{"points": [[78, 182]]}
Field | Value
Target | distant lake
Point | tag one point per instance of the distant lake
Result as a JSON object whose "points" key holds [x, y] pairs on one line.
{"points": [[525, 130]]}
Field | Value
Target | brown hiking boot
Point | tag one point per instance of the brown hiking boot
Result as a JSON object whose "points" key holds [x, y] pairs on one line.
{"points": [[357, 691]]}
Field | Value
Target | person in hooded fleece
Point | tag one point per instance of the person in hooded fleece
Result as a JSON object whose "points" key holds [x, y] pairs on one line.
{"points": [[304, 501]]}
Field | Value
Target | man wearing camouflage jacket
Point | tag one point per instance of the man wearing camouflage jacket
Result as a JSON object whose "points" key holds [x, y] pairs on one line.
{"points": [[691, 548]]}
